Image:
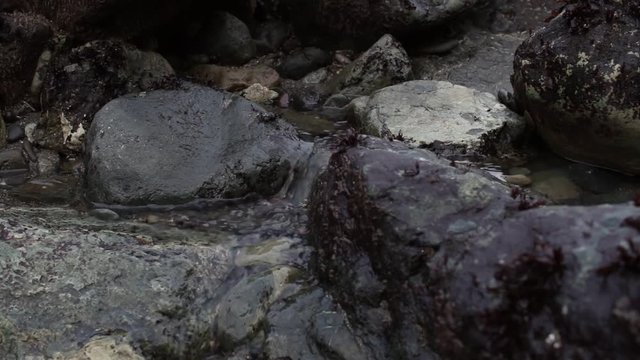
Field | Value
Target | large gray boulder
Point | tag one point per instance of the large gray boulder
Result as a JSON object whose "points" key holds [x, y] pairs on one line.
{"points": [[437, 112], [578, 82], [446, 261], [175, 145]]}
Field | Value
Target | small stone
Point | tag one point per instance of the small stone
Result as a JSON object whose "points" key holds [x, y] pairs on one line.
{"points": [[48, 162], [152, 219], [15, 132], [520, 180], [519, 171], [104, 214], [259, 94]]}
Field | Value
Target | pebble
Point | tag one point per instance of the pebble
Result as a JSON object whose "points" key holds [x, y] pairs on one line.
{"points": [[15, 132], [520, 180], [519, 171], [104, 214]]}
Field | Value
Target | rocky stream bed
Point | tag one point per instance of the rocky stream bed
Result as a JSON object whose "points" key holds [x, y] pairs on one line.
{"points": [[327, 179]]}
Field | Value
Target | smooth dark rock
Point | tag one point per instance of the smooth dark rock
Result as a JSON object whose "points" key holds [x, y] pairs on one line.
{"points": [[15, 132], [227, 39], [11, 158], [300, 63], [175, 145], [467, 268]]}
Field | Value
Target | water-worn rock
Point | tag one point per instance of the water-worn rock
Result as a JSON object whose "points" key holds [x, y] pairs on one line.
{"points": [[367, 19], [227, 39], [176, 145], [230, 283], [577, 79], [303, 61], [81, 82], [234, 78], [22, 39], [385, 63], [438, 111], [460, 272]]}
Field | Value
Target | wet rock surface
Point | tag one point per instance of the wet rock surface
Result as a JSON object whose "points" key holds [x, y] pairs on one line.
{"points": [[577, 80], [461, 270], [436, 111], [192, 285], [126, 247], [204, 142]]}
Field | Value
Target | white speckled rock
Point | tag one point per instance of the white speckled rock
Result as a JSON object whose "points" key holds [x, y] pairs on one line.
{"points": [[434, 111]]}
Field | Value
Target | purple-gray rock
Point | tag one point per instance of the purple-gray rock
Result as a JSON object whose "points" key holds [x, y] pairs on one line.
{"points": [[463, 267]]}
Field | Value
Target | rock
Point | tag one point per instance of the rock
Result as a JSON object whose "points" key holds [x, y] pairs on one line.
{"points": [[103, 348], [48, 162], [385, 63], [578, 83], [22, 39], [519, 179], [81, 82], [316, 77], [102, 282], [270, 36], [46, 190], [366, 19], [304, 97], [126, 289], [104, 214], [445, 252], [555, 185], [438, 112], [518, 15], [11, 158], [238, 148], [227, 39], [15, 132], [303, 61], [235, 78], [38, 76], [259, 94]]}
